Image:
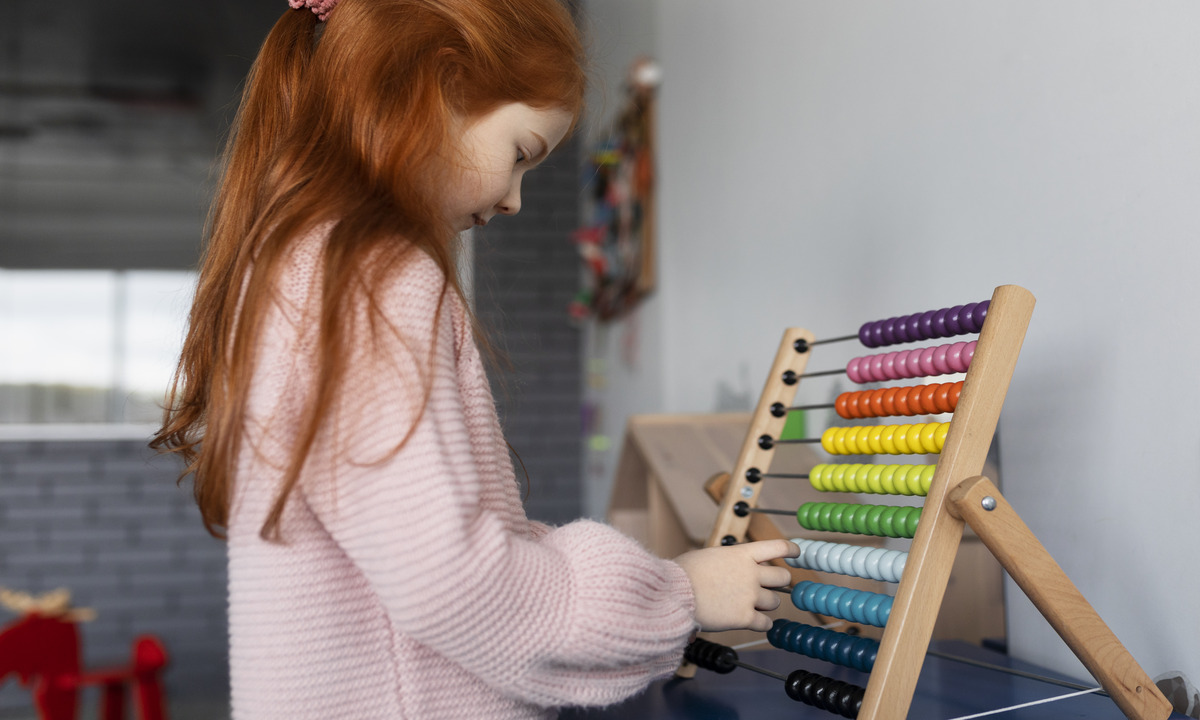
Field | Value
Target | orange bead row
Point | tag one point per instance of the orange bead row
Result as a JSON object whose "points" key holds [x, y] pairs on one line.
{"points": [[914, 400]]}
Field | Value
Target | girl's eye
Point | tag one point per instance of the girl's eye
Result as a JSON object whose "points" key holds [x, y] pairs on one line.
{"points": [[521, 156]]}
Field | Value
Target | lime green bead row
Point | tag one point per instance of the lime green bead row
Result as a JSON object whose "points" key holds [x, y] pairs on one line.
{"points": [[879, 520], [878, 479], [885, 439]]}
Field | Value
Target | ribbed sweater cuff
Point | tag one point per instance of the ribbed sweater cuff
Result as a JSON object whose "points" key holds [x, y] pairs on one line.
{"points": [[627, 603], [629, 617]]}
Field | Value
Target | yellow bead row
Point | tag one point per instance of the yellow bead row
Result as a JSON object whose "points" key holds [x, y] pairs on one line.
{"points": [[877, 479], [885, 439]]}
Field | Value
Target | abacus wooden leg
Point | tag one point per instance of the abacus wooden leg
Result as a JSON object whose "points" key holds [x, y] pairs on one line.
{"points": [[979, 503], [778, 391]]}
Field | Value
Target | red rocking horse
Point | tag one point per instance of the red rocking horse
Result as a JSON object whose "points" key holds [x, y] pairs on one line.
{"points": [[42, 649]]}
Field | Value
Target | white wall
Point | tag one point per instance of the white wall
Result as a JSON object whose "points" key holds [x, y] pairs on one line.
{"points": [[622, 375], [827, 163]]}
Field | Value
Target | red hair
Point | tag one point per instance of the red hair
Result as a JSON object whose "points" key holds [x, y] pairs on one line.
{"points": [[350, 121]]}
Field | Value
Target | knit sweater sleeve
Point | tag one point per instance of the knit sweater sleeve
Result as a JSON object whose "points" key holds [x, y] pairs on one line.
{"points": [[411, 478]]}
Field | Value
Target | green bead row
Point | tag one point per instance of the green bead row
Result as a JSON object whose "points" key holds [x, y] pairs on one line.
{"points": [[880, 520], [868, 478]]}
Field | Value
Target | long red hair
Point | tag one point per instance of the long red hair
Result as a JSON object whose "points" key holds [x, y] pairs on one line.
{"points": [[348, 121]]}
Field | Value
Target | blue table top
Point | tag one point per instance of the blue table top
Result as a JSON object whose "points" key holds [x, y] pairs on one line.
{"points": [[946, 689]]}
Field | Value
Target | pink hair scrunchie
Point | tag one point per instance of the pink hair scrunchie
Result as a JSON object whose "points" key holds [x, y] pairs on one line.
{"points": [[321, 7]]}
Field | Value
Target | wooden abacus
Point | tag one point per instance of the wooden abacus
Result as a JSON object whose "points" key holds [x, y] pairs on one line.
{"points": [[955, 494]]}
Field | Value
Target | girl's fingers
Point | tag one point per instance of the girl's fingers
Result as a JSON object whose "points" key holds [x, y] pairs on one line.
{"points": [[765, 550], [761, 623], [767, 600], [774, 576]]}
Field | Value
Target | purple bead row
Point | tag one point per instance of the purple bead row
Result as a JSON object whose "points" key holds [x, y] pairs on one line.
{"points": [[929, 325], [918, 362]]}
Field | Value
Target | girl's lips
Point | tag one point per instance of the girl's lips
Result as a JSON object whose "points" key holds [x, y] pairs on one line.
{"points": [[479, 220]]}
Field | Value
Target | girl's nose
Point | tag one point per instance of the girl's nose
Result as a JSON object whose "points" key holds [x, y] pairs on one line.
{"points": [[510, 204]]}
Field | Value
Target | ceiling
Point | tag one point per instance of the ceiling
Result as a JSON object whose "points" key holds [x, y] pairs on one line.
{"points": [[110, 118]]}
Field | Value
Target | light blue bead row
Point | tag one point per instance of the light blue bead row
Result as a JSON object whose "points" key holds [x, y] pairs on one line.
{"points": [[846, 559]]}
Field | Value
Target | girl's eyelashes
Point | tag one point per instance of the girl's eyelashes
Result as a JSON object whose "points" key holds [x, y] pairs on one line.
{"points": [[521, 155]]}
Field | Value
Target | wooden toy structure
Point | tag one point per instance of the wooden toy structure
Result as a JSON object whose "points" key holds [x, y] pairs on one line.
{"points": [[42, 649], [955, 494]]}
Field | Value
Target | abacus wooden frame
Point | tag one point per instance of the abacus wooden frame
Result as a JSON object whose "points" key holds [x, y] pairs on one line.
{"points": [[952, 499]]}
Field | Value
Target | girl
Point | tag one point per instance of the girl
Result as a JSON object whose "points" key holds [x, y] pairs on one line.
{"points": [[332, 408]]}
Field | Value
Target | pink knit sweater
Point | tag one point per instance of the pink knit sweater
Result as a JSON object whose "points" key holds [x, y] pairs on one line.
{"points": [[410, 584]]}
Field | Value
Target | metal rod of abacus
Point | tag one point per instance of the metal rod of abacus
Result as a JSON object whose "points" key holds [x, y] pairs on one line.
{"points": [[821, 373], [826, 341], [760, 670], [768, 511], [754, 475], [822, 406], [795, 441], [1012, 671]]}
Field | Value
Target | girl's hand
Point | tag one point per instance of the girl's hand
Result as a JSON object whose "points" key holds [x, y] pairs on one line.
{"points": [[730, 583]]}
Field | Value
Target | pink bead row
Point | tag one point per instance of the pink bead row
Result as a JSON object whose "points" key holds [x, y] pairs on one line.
{"points": [[918, 362]]}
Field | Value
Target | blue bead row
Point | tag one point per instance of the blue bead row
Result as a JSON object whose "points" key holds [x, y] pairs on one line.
{"points": [[828, 645], [857, 606]]}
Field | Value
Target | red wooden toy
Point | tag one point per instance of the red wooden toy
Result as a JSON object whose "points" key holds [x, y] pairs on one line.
{"points": [[42, 649]]}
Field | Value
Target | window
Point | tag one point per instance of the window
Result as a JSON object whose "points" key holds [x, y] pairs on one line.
{"points": [[89, 346]]}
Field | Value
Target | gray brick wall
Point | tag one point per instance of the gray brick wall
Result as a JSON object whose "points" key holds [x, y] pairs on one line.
{"points": [[106, 520], [526, 272]]}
